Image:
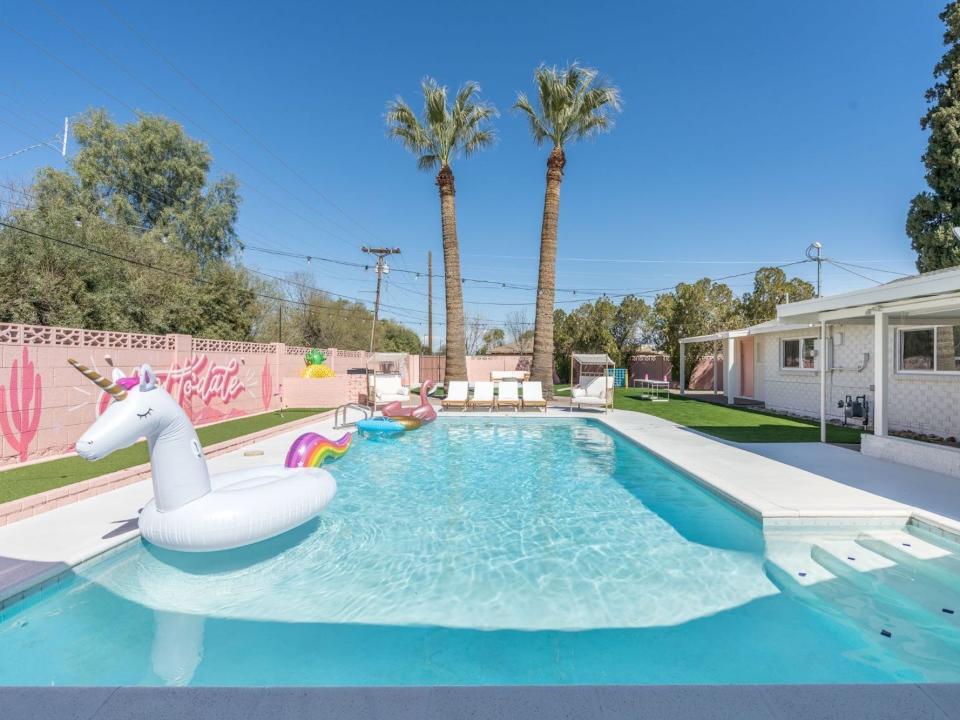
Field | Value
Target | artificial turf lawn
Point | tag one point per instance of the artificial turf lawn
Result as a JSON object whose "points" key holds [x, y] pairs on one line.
{"points": [[20, 482], [729, 423]]}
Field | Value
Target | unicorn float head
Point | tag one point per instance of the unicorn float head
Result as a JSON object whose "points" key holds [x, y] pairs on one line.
{"points": [[142, 408]]}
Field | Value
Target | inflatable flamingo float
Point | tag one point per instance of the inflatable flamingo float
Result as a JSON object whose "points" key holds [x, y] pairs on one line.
{"points": [[423, 412], [192, 510]]}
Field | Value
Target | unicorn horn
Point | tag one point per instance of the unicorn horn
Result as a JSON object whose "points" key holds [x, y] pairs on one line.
{"points": [[100, 381]]}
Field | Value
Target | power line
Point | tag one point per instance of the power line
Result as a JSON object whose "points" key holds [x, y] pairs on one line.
{"points": [[135, 112], [229, 116], [852, 272]]}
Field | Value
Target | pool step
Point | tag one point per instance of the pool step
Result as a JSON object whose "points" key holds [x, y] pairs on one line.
{"points": [[792, 558], [899, 593], [852, 554], [897, 545]]}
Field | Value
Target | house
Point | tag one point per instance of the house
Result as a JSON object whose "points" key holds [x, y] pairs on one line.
{"points": [[897, 345], [523, 347]]}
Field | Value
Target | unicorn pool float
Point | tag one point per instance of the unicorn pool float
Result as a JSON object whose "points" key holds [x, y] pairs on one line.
{"points": [[192, 510], [397, 418]]}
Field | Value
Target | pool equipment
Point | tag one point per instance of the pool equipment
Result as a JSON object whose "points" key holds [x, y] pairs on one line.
{"points": [[855, 410], [311, 449], [423, 412], [191, 510]]}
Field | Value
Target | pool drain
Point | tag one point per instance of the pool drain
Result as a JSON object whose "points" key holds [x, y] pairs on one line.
{"points": [[886, 633]]}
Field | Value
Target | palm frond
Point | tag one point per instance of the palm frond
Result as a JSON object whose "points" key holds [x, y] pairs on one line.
{"points": [[427, 162], [571, 103], [445, 130]]}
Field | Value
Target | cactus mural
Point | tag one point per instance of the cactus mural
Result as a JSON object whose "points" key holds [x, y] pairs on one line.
{"points": [[266, 385], [19, 421], [315, 367]]}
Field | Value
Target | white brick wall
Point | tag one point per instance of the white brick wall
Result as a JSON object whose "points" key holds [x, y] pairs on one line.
{"points": [[928, 403]]}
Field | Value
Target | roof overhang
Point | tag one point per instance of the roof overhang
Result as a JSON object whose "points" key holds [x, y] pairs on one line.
{"points": [[762, 329], [931, 296]]}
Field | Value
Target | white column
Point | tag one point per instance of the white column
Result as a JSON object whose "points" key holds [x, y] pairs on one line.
{"points": [[714, 367], [683, 369], [881, 343], [732, 377], [822, 364]]}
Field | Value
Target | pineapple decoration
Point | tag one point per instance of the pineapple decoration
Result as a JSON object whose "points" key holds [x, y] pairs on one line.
{"points": [[315, 367]]}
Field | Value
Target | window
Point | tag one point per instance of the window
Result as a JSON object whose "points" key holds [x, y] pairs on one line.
{"points": [[797, 354], [932, 349]]}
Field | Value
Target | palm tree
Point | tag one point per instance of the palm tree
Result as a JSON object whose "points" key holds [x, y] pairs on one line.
{"points": [[571, 104], [446, 132]]}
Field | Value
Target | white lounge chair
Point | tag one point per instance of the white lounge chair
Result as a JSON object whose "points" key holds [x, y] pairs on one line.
{"points": [[509, 396], [592, 391], [388, 389], [501, 375], [533, 395], [482, 396], [458, 392]]}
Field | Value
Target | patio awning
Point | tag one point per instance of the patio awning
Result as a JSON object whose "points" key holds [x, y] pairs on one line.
{"points": [[770, 326], [932, 296]]}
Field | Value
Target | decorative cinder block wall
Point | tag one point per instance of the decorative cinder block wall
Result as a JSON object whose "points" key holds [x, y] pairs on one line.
{"points": [[46, 405], [921, 402]]}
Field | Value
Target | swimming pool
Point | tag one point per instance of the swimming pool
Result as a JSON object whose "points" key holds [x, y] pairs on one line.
{"points": [[500, 551]]}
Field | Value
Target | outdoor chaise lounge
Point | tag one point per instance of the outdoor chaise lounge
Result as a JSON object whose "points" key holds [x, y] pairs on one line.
{"points": [[533, 396], [508, 396], [482, 396], [458, 393], [501, 375], [388, 388], [594, 386]]}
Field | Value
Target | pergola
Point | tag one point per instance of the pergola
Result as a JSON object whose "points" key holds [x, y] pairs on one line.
{"points": [[725, 341]]}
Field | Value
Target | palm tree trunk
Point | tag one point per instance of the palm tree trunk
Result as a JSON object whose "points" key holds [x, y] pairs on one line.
{"points": [[547, 279], [456, 368]]}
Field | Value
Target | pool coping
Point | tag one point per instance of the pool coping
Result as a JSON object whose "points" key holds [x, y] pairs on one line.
{"points": [[557, 702]]}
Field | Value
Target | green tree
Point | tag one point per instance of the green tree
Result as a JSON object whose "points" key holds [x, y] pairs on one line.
{"points": [[692, 309], [771, 288], [492, 338], [84, 284], [394, 337], [600, 326], [150, 173], [933, 214], [572, 103], [446, 132]]}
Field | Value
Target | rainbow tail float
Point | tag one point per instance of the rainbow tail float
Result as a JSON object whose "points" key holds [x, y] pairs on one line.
{"points": [[312, 449]]}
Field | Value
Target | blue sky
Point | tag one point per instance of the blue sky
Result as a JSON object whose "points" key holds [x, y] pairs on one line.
{"points": [[750, 129]]}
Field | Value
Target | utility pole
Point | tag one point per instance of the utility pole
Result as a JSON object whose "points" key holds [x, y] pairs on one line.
{"points": [[430, 301], [813, 253], [382, 268]]}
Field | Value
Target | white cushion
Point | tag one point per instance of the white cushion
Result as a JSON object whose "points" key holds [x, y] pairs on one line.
{"points": [[578, 392]]}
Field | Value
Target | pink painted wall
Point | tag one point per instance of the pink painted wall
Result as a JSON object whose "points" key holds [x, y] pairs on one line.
{"points": [[45, 405]]}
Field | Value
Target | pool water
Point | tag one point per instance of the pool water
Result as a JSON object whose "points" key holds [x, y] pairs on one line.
{"points": [[490, 551]]}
